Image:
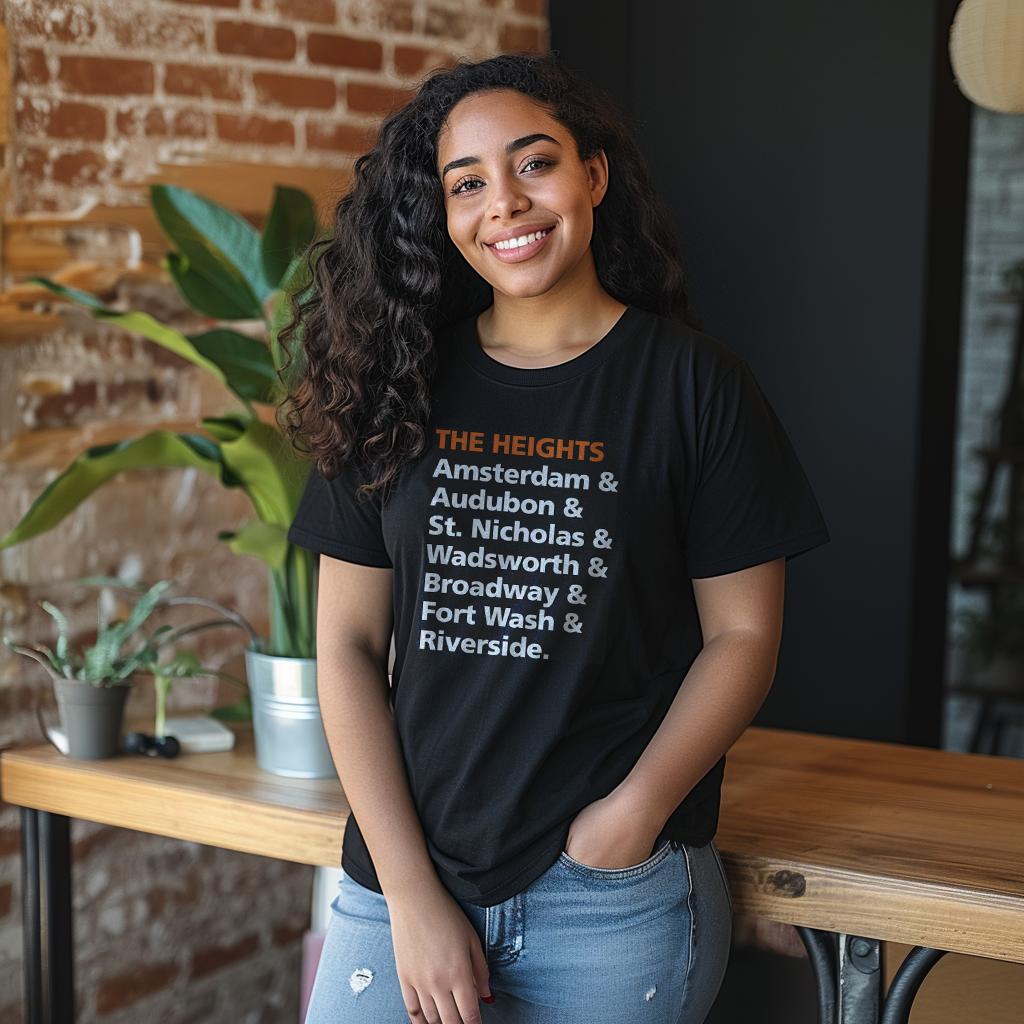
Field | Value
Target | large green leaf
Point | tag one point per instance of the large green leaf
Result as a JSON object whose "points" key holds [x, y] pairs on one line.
{"points": [[246, 363], [98, 464], [206, 296], [222, 249], [262, 458], [290, 227], [267, 541]]}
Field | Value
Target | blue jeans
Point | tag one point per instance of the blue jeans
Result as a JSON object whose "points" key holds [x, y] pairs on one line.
{"points": [[647, 943]]}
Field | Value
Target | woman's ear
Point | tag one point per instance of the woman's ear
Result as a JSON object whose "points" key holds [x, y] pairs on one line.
{"points": [[597, 173]]}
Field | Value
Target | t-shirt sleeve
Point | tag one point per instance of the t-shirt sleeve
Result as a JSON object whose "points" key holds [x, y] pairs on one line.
{"points": [[334, 520], [752, 501]]}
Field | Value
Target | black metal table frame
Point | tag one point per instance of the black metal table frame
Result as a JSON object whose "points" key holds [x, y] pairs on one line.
{"points": [[847, 968]]}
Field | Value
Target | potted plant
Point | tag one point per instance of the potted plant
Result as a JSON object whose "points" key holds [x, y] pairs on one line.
{"points": [[994, 640], [226, 270], [91, 684]]}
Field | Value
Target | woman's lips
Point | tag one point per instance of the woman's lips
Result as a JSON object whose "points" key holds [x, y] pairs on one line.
{"points": [[522, 252]]}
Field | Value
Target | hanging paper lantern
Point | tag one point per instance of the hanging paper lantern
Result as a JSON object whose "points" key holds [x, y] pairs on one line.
{"points": [[986, 48]]}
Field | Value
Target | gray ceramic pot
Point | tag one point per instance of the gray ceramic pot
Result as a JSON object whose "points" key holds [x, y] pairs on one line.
{"points": [[289, 732], [92, 717]]}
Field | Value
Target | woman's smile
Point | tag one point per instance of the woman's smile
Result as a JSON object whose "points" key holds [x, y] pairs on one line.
{"points": [[519, 244]]}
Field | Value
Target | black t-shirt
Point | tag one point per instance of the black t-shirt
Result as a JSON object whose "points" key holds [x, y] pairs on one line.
{"points": [[543, 548]]}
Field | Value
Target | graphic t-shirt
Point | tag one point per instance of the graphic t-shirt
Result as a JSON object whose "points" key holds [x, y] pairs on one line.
{"points": [[543, 548]]}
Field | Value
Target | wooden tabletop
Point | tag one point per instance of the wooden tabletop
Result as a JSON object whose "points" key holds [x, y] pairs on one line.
{"points": [[918, 846]]}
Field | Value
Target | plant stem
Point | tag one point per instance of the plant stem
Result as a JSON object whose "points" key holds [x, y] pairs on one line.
{"points": [[162, 684]]}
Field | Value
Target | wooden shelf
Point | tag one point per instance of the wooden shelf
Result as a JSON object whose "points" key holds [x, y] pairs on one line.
{"points": [[57, 447]]}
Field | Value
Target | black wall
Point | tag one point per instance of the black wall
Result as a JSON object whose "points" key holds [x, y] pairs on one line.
{"points": [[815, 155]]}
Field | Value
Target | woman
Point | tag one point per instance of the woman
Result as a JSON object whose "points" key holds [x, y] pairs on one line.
{"points": [[524, 455]]}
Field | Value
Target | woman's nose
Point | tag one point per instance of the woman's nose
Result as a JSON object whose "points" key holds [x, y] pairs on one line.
{"points": [[508, 198]]}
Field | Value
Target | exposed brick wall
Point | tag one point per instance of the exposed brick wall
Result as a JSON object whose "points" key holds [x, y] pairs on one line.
{"points": [[104, 92]]}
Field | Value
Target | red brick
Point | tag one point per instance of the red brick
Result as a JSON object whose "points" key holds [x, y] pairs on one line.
{"points": [[5, 905], [246, 39], [415, 60], [344, 51], [175, 33], [113, 993], [295, 90], [10, 841], [98, 840], [64, 121], [539, 7], [519, 38], [374, 99], [286, 934], [31, 162], [189, 80], [71, 25], [345, 138], [232, 128], [30, 67], [106, 76], [155, 122], [320, 11], [397, 16], [189, 123], [213, 958], [60, 410], [447, 23], [79, 168]]}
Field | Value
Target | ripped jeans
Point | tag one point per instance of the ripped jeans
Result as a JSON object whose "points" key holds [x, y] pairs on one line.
{"points": [[647, 944]]}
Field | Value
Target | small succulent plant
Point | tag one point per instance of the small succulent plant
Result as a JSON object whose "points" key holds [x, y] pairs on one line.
{"points": [[113, 660]]}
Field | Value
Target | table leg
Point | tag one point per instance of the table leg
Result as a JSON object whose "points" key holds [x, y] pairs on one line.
{"points": [[821, 951], [860, 980], [55, 850], [857, 967], [31, 923], [920, 960]]}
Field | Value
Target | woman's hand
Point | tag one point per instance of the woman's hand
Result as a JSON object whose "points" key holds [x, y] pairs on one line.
{"points": [[610, 834], [441, 965]]}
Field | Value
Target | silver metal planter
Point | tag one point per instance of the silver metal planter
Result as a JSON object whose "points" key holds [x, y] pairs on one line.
{"points": [[290, 738]]}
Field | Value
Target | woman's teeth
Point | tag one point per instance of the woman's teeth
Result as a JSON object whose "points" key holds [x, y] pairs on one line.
{"points": [[515, 243]]}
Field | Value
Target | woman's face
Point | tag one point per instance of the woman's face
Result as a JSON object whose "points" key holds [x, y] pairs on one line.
{"points": [[520, 201]]}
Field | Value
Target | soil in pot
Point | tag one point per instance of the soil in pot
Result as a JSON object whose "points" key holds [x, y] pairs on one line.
{"points": [[92, 717]]}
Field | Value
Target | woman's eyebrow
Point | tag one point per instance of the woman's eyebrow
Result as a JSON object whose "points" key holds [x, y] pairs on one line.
{"points": [[512, 147]]}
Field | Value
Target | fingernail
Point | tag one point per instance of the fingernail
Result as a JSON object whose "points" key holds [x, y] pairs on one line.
{"points": [[487, 999]]}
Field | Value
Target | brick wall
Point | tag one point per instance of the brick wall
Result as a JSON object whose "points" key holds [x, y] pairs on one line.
{"points": [[107, 89], [106, 94]]}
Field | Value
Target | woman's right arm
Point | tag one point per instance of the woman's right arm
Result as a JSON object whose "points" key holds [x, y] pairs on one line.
{"points": [[441, 966]]}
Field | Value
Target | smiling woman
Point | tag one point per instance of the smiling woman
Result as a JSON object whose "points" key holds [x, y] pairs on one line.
{"points": [[536, 791]]}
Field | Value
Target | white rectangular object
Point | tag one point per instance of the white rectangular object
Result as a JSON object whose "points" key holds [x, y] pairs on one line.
{"points": [[200, 735]]}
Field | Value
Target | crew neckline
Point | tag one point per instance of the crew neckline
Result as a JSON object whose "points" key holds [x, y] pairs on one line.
{"points": [[472, 350]]}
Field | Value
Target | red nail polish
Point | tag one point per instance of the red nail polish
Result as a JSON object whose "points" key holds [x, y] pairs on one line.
{"points": [[487, 999]]}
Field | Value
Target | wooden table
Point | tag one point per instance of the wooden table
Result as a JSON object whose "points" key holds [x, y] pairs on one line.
{"points": [[853, 842]]}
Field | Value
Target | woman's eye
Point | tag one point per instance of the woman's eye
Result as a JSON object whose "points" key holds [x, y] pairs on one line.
{"points": [[535, 163], [466, 185]]}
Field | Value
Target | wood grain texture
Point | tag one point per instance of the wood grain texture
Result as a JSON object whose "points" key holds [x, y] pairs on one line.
{"points": [[217, 799], [897, 843], [902, 843]]}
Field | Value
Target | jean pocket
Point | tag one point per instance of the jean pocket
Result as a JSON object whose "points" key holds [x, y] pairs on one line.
{"points": [[610, 874]]}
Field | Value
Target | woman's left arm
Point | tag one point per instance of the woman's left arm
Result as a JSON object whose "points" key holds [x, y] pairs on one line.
{"points": [[741, 619]]}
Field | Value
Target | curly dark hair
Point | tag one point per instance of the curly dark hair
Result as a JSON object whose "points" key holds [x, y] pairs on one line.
{"points": [[390, 275]]}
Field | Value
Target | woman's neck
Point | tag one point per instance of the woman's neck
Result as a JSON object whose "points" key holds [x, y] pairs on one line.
{"points": [[548, 329]]}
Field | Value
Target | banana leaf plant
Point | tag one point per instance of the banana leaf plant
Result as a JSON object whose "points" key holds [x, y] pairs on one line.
{"points": [[228, 271]]}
